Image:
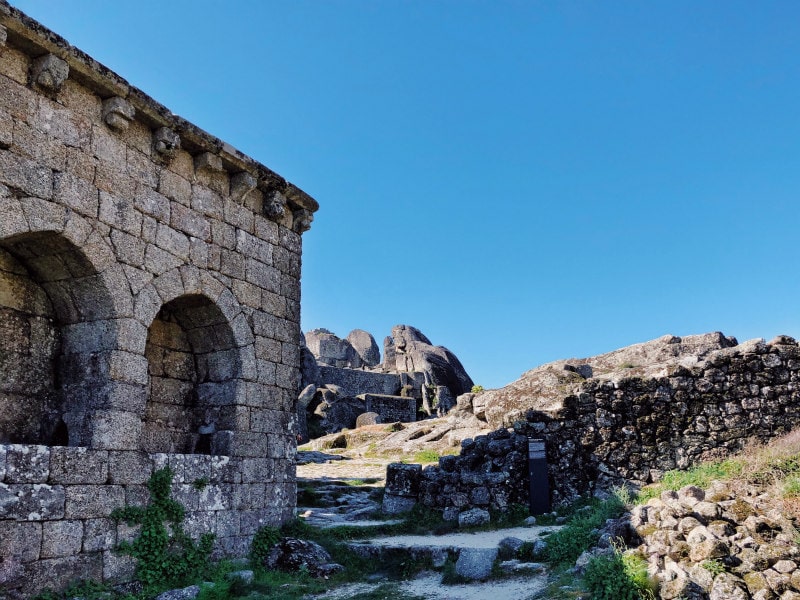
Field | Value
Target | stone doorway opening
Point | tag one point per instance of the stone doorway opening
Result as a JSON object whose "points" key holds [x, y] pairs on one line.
{"points": [[193, 367], [55, 324]]}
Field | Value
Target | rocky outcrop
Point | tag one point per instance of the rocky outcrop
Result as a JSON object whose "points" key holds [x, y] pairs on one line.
{"points": [[365, 346], [331, 350], [344, 370], [408, 350], [545, 388]]}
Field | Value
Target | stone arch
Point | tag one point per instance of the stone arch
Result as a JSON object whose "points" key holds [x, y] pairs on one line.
{"points": [[194, 368], [59, 321]]}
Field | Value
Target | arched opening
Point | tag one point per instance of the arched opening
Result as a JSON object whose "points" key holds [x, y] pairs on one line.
{"points": [[54, 311], [193, 365]]}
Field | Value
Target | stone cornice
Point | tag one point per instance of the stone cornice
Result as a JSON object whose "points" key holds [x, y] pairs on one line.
{"points": [[34, 39]]}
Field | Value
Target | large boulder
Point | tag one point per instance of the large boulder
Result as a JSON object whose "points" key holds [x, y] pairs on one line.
{"points": [[408, 350], [545, 388], [335, 412], [293, 555], [329, 349], [365, 346]]}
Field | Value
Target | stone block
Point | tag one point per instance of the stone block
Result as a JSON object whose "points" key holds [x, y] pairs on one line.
{"points": [[118, 212], [93, 501], [2, 462], [198, 522], [115, 430], [20, 539], [207, 202], [99, 534], [57, 573], [77, 193], [394, 505], [27, 463], [172, 241], [118, 568], [127, 248], [31, 502], [128, 367], [190, 222], [226, 469], [264, 276], [61, 538], [476, 563], [255, 470], [227, 523], [70, 465], [126, 468], [403, 479], [26, 175]]}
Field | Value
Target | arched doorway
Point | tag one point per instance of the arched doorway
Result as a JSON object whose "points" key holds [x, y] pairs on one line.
{"points": [[193, 367], [55, 322]]}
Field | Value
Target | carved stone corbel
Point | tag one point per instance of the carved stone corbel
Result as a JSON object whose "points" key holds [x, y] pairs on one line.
{"points": [[302, 220], [274, 205], [118, 113], [49, 72], [242, 183], [166, 142]]}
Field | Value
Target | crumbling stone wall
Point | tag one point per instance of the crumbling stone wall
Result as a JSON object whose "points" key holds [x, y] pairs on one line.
{"points": [[149, 314], [631, 430]]}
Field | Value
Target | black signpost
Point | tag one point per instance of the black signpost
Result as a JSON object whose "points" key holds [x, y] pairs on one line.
{"points": [[537, 471]]}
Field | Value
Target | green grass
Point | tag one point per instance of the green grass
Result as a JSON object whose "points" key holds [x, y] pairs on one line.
{"points": [[581, 529], [702, 475], [620, 576]]}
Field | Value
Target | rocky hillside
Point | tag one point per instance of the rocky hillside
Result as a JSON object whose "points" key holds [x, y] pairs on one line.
{"points": [[545, 388]]}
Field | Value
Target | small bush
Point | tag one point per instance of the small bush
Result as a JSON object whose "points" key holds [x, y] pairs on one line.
{"points": [[581, 531], [618, 577], [476, 389], [263, 541]]}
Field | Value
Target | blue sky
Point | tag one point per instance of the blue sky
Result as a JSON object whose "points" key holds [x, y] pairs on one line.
{"points": [[523, 181]]}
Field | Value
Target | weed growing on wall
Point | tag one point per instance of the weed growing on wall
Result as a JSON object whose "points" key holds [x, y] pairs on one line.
{"points": [[166, 557]]}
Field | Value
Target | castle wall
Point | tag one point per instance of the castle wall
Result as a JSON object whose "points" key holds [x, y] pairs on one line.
{"points": [[631, 430], [149, 313]]}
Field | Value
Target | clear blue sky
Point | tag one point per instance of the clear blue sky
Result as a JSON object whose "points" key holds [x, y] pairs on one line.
{"points": [[523, 181]]}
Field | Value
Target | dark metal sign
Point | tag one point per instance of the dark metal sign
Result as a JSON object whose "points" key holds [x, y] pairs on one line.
{"points": [[537, 472]]}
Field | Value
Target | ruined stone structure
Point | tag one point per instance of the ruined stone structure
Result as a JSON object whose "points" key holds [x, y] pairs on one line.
{"points": [[149, 315], [338, 373], [605, 432]]}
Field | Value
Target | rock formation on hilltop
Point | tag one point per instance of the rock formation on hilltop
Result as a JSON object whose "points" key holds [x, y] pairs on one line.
{"points": [[408, 350], [344, 377], [545, 388]]}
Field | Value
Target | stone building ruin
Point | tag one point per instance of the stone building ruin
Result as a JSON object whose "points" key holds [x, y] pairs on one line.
{"points": [[149, 316], [343, 378]]}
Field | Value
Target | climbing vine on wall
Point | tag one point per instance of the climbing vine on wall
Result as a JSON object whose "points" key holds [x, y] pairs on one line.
{"points": [[166, 556]]}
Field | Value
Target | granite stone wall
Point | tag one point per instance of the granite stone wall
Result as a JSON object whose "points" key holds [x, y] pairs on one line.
{"points": [[631, 430], [149, 313]]}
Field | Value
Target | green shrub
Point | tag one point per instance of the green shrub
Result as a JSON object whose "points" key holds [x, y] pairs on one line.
{"points": [[618, 577], [581, 531], [263, 541], [477, 389], [165, 556]]}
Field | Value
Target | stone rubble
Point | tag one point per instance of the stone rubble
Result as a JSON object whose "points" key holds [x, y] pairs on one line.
{"points": [[721, 543]]}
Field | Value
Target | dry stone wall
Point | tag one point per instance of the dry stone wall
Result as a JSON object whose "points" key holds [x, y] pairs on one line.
{"points": [[149, 315], [630, 430]]}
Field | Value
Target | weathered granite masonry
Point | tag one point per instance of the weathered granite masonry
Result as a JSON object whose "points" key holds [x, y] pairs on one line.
{"points": [[149, 314], [630, 430]]}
